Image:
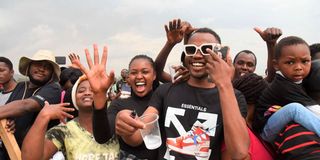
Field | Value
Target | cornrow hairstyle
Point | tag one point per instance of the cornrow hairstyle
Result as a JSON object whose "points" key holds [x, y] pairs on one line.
{"points": [[7, 62], [247, 52], [287, 41], [314, 49], [251, 85]]}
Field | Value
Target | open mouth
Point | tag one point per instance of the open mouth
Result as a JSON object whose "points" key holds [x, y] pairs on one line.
{"points": [[140, 86]]}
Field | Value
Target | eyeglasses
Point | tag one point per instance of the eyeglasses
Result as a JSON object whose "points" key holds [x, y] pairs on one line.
{"points": [[191, 49]]}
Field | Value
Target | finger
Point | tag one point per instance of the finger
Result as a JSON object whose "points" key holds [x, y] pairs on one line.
{"points": [[170, 25], [82, 68], [95, 54], [258, 30], [213, 55], [228, 58], [46, 103], [104, 57], [174, 24], [111, 76], [67, 115], [67, 109], [63, 104], [166, 28], [179, 24], [88, 57]]}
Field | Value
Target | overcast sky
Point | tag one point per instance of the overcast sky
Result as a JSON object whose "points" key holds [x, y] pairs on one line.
{"points": [[130, 27]]}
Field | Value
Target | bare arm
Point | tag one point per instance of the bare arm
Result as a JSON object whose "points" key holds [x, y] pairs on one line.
{"points": [[35, 145], [19, 107], [270, 36], [175, 33], [235, 130]]}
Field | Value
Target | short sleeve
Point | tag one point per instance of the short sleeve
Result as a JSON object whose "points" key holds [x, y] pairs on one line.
{"points": [[56, 135], [157, 99], [50, 92]]}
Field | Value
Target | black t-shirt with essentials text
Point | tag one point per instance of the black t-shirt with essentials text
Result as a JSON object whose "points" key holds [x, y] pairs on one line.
{"points": [[191, 121]]}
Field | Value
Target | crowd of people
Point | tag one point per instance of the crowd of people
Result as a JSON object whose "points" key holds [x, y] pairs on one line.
{"points": [[213, 108]]}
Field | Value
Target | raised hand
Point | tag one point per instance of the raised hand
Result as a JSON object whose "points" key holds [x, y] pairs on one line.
{"points": [[270, 35], [174, 31], [75, 60], [220, 71], [99, 80], [182, 74], [56, 111]]}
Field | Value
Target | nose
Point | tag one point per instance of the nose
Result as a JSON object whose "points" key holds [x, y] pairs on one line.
{"points": [[88, 92], [298, 67], [198, 54], [244, 67], [139, 75]]}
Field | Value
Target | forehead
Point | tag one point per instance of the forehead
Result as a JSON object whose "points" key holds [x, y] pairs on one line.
{"points": [[2, 65], [84, 84], [245, 57], [200, 38], [140, 63], [298, 50]]}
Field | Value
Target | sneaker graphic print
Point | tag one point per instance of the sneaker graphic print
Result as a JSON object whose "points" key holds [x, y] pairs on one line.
{"points": [[195, 142]]}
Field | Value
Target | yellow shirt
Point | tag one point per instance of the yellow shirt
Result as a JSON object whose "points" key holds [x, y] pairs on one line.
{"points": [[77, 143]]}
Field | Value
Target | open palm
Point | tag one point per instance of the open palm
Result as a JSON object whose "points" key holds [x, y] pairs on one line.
{"points": [[99, 80]]}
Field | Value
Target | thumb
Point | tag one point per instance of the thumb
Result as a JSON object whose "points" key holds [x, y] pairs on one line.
{"points": [[258, 30]]}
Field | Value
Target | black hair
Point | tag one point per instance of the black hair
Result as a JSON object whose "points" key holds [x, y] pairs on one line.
{"points": [[7, 62], [314, 49], [143, 56], [205, 30], [287, 41], [71, 74], [247, 52], [155, 83], [182, 58], [251, 85]]}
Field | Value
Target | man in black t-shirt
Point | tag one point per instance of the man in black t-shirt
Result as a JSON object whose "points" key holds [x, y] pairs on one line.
{"points": [[28, 98], [198, 116]]}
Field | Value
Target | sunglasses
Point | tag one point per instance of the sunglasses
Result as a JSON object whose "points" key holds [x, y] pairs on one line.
{"points": [[191, 49]]}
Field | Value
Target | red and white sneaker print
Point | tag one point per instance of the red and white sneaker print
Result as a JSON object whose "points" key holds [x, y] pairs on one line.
{"points": [[196, 142]]}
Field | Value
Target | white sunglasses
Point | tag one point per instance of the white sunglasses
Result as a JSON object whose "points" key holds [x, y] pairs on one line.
{"points": [[191, 49]]}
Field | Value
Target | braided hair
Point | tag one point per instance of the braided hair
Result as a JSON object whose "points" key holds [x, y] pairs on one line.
{"points": [[251, 85]]}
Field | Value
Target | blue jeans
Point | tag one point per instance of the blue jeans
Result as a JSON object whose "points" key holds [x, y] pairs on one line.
{"points": [[291, 112]]}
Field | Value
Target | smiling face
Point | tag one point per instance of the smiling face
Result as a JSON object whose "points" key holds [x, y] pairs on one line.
{"points": [[40, 72], [196, 63], [141, 76], [244, 63], [84, 95], [294, 62]]}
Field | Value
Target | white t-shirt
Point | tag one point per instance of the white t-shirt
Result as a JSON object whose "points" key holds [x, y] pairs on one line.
{"points": [[4, 97]]}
